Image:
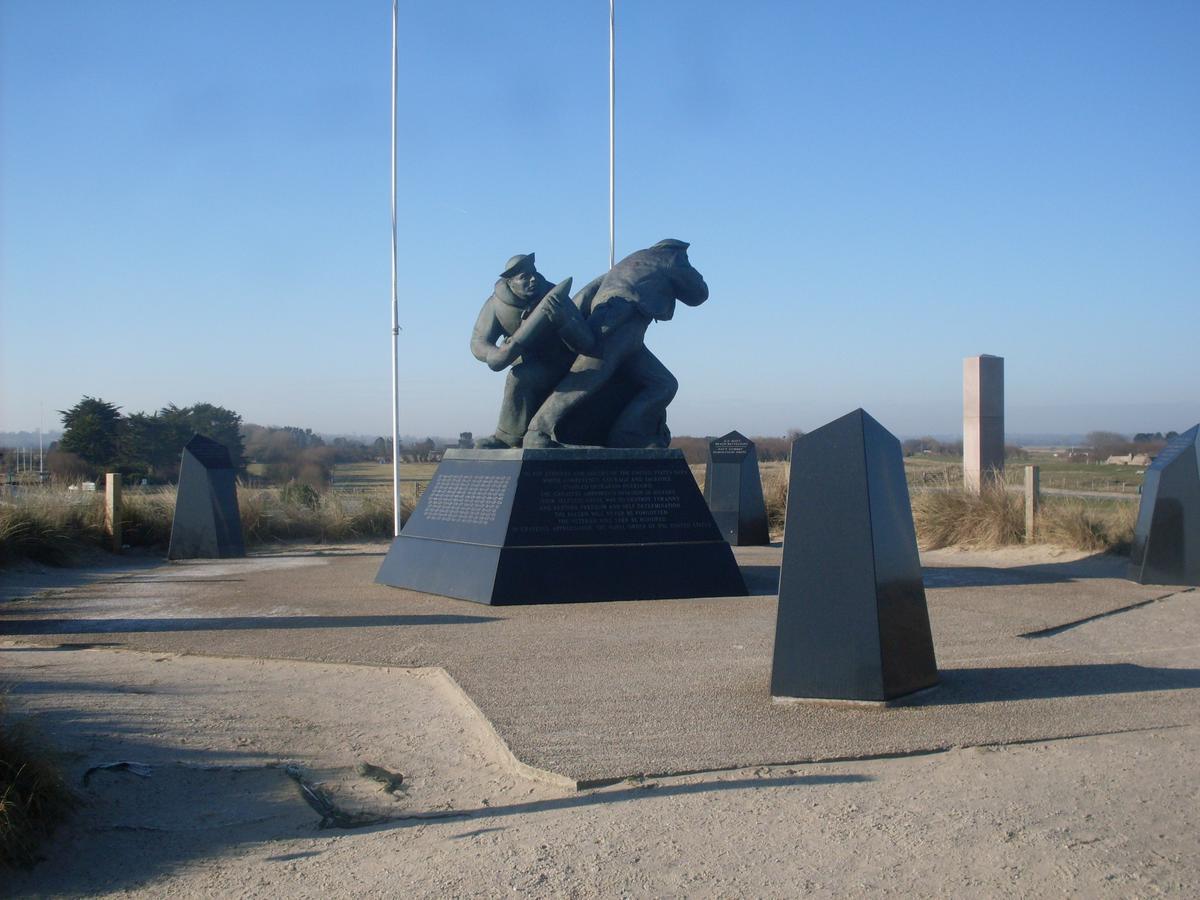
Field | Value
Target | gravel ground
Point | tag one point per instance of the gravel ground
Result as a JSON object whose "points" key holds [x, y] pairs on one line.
{"points": [[1105, 816]]}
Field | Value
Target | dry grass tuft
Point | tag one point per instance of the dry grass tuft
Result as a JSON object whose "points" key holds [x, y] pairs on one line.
{"points": [[996, 518], [146, 517], [55, 527], [944, 518], [34, 798], [775, 495], [269, 515], [49, 526], [1101, 526]]}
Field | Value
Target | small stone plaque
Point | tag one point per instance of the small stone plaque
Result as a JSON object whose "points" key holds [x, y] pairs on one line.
{"points": [[466, 499], [733, 447]]}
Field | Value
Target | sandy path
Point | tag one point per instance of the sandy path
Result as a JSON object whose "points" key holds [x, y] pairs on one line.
{"points": [[1113, 815]]}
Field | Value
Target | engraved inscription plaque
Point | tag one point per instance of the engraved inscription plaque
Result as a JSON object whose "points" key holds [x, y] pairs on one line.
{"points": [[608, 501], [470, 499], [733, 447]]}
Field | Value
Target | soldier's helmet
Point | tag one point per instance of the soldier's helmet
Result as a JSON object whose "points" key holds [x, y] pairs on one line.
{"points": [[522, 262]]}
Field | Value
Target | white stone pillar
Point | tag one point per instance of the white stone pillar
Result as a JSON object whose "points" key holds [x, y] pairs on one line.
{"points": [[983, 420]]}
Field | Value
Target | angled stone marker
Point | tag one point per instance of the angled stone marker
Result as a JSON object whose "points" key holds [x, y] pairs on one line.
{"points": [[207, 523], [1166, 539], [733, 490], [852, 622]]}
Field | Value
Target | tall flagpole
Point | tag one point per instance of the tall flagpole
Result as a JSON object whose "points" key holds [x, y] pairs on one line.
{"points": [[612, 97], [395, 306]]}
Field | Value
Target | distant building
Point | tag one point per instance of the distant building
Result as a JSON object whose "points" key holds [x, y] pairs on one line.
{"points": [[1130, 459]]}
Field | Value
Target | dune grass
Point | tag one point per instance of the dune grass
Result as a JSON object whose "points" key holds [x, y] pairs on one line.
{"points": [[954, 517], [1100, 525], [49, 526], [775, 494], [996, 518], [59, 527], [34, 798], [329, 517]]}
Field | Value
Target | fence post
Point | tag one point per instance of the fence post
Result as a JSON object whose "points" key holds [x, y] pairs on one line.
{"points": [[1033, 491], [112, 509]]}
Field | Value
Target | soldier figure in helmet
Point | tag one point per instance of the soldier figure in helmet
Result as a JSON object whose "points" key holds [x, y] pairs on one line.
{"points": [[530, 347]]}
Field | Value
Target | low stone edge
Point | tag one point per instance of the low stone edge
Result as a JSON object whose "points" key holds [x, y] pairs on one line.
{"points": [[523, 769]]}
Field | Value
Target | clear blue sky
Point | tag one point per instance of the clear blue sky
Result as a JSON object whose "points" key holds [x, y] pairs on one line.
{"points": [[194, 203]]}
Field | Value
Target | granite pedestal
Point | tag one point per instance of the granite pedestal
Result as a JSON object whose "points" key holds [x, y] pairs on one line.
{"points": [[509, 527]]}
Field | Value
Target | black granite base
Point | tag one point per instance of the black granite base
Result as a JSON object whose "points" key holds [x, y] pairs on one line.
{"points": [[507, 527]]}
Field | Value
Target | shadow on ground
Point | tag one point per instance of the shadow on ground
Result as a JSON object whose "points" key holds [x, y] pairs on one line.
{"points": [[333, 552], [18, 627], [1100, 565], [990, 685], [761, 581], [28, 579], [641, 791]]}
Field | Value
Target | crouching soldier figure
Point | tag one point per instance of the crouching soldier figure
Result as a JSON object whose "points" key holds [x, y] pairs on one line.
{"points": [[614, 312], [533, 348]]}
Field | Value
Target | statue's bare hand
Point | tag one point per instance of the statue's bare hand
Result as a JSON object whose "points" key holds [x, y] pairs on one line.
{"points": [[501, 357], [554, 311]]}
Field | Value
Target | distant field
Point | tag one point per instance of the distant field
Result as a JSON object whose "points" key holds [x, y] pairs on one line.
{"points": [[1077, 476], [357, 476], [929, 470]]}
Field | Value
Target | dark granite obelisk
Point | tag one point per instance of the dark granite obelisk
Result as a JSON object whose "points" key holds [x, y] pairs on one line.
{"points": [[1166, 539], [733, 490], [852, 621], [561, 526], [207, 523]]}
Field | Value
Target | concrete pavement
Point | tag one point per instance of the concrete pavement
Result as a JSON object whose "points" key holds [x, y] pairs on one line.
{"points": [[599, 692]]}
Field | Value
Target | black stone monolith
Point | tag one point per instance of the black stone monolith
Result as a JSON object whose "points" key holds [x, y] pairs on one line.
{"points": [[733, 490], [207, 523], [522, 526], [1166, 539], [852, 621]]}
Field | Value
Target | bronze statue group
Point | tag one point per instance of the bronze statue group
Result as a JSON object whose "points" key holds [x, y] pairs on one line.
{"points": [[579, 372]]}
